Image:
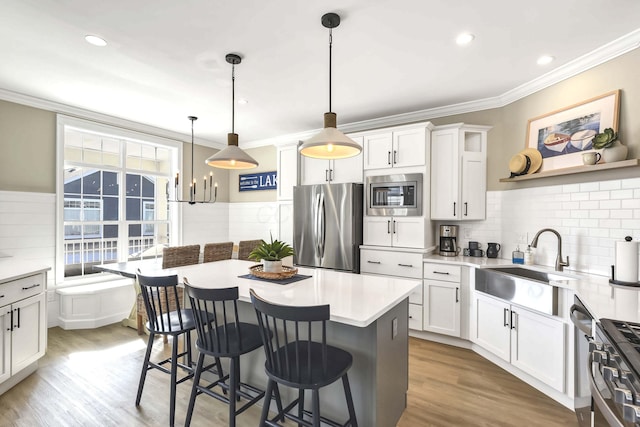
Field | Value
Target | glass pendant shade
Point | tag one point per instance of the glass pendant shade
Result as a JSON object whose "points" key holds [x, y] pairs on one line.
{"points": [[330, 143], [232, 157]]}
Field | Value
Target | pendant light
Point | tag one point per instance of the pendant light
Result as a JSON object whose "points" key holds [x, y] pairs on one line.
{"points": [[330, 143], [213, 188], [232, 157]]}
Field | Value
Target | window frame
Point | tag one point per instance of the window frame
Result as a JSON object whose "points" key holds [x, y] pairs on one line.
{"points": [[108, 131]]}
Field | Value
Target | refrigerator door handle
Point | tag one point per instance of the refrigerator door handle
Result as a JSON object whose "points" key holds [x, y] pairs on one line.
{"points": [[322, 227], [316, 224]]}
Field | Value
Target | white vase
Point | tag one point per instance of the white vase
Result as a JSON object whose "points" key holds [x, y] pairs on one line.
{"points": [[615, 153], [272, 266]]}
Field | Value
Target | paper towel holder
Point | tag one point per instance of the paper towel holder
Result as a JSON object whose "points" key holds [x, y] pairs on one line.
{"points": [[613, 279]]}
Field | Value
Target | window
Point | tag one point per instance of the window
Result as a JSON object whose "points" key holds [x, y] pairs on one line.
{"points": [[113, 196]]}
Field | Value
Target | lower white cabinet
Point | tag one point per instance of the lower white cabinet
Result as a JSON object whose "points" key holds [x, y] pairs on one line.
{"points": [[531, 342], [404, 232], [23, 320], [391, 263], [442, 296]]}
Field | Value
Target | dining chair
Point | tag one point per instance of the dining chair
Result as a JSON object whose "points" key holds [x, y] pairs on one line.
{"points": [[245, 247], [222, 334], [167, 318], [174, 256], [298, 356], [217, 251]]}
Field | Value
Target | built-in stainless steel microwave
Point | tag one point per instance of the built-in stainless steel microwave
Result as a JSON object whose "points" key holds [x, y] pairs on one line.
{"points": [[394, 195]]}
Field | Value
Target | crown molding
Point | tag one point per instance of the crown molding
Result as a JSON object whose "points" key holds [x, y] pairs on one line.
{"points": [[592, 59], [81, 113]]}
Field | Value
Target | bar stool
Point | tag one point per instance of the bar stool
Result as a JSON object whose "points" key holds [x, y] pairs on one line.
{"points": [[222, 334], [217, 251], [300, 363], [167, 318]]}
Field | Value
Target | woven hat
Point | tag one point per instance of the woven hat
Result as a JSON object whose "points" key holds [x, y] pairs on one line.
{"points": [[526, 162]]}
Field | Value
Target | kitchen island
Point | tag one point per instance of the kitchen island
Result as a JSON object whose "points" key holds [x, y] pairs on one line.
{"points": [[369, 318]]}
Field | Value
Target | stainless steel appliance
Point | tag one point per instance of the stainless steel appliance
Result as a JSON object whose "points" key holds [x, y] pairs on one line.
{"points": [[394, 195], [448, 240], [327, 226]]}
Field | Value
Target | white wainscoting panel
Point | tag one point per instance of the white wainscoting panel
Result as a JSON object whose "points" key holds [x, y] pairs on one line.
{"points": [[205, 223], [253, 220]]}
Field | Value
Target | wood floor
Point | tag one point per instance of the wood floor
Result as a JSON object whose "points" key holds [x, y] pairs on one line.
{"points": [[90, 377]]}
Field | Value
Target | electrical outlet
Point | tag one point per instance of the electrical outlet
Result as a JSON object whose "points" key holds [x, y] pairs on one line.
{"points": [[466, 232], [394, 328], [521, 238]]}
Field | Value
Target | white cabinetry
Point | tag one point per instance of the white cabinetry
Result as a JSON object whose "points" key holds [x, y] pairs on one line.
{"points": [[532, 342], [320, 171], [404, 231], [23, 321], [458, 172], [287, 171], [396, 147], [442, 296]]}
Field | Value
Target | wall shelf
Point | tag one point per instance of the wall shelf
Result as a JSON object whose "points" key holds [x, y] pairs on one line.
{"points": [[575, 169]]}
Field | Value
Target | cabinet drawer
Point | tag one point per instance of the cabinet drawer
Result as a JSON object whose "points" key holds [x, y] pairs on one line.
{"points": [[416, 297], [391, 263], [415, 317], [446, 272], [16, 290]]}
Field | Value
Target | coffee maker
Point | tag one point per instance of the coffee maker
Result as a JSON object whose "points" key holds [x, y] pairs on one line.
{"points": [[448, 244]]}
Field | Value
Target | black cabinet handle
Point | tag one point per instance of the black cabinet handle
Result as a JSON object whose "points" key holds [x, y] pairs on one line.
{"points": [[466, 209], [331, 175], [388, 227], [440, 272], [395, 157], [18, 317], [388, 157], [31, 287], [394, 227], [406, 265], [326, 175], [457, 296], [11, 320], [513, 324], [373, 262], [1, 296], [506, 322], [454, 208]]}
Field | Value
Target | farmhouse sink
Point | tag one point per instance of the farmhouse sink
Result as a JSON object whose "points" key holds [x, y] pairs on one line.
{"points": [[521, 286]]}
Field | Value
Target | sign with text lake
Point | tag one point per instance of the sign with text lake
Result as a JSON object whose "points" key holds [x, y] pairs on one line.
{"points": [[259, 181]]}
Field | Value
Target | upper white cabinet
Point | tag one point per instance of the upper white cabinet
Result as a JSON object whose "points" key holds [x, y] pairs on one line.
{"points": [[396, 147], [319, 171], [459, 172], [287, 171]]}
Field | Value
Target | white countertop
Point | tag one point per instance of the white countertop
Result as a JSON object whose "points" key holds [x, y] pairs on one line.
{"points": [[355, 299], [12, 268], [601, 298]]}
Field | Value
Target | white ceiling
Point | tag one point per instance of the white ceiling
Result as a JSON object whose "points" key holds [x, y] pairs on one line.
{"points": [[165, 58]]}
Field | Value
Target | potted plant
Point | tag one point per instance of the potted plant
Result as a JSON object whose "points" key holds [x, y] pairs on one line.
{"points": [[612, 148], [271, 254]]}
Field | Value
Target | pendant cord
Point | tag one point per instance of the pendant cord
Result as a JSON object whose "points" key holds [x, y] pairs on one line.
{"points": [[330, 44], [233, 98], [192, 120]]}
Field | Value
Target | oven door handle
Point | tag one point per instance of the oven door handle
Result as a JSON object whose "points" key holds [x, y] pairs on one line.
{"points": [[597, 397]]}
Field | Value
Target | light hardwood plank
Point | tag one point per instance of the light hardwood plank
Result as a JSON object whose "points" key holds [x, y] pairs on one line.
{"points": [[90, 378]]}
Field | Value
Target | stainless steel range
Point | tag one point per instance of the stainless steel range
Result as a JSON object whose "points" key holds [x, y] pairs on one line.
{"points": [[614, 359]]}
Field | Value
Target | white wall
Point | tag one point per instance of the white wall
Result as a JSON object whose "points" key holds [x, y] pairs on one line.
{"points": [[590, 217]]}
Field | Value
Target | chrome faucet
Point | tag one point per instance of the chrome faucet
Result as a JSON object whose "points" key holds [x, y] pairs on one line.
{"points": [[559, 263]]}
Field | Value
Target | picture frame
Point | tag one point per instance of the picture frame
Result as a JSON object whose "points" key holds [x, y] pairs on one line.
{"points": [[563, 135]]}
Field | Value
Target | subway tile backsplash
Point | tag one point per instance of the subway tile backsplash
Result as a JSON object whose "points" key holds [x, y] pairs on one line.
{"points": [[590, 217]]}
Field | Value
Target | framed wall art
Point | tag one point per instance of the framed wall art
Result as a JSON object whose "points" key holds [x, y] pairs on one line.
{"points": [[563, 135]]}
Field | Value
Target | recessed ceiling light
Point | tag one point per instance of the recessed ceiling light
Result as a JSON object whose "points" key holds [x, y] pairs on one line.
{"points": [[95, 40], [545, 59], [242, 101], [465, 38]]}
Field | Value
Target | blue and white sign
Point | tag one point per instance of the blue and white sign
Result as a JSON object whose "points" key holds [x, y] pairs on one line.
{"points": [[259, 181]]}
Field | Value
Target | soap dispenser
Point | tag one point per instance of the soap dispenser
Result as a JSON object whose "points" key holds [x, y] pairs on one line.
{"points": [[517, 256], [528, 256]]}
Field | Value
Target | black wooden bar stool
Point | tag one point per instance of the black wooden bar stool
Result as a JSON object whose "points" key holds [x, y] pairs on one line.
{"points": [[167, 318], [293, 359], [222, 334]]}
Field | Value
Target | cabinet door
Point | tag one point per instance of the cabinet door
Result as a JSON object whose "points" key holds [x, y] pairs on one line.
{"points": [[349, 169], [445, 174], [409, 147], [491, 330], [473, 186], [29, 336], [442, 307], [314, 171], [5, 343], [537, 346], [408, 232], [377, 150], [287, 171], [376, 230]]}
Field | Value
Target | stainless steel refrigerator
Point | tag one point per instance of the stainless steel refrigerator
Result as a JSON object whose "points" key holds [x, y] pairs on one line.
{"points": [[327, 226]]}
